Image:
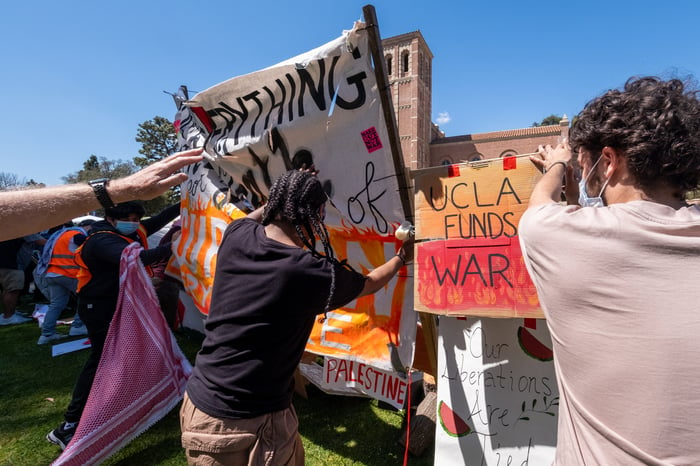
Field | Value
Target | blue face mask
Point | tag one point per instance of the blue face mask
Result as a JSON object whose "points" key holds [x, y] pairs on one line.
{"points": [[126, 228], [583, 199]]}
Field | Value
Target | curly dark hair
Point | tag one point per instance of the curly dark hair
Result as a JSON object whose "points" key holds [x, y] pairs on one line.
{"points": [[655, 123], [297, 197], [124, 209]]}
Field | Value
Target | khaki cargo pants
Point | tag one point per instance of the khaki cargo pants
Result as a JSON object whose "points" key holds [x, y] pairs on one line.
{"points": [[268, 440]]}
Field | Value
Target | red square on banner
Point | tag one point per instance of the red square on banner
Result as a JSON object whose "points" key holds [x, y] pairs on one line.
{"points": [[510, 163], [453, 170], [530, 323]]}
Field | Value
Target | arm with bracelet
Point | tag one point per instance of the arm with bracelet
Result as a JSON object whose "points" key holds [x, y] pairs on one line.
{"points": [[555, 163]]}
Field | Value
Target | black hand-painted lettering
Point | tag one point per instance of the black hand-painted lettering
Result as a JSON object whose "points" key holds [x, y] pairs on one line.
{"points": [[354, 203]]}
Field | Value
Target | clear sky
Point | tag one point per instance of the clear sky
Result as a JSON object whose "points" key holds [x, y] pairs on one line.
{"points": [[77, 77]]}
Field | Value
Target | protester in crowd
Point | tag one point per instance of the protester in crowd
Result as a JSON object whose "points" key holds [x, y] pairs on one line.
{"points": [[98, 289], [269, 286], [11, 282], [56, 275], [617, 277], [61, 203], [27, 255], [168, 288]]}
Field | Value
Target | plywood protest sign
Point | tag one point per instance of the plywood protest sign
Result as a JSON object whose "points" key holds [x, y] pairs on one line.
{"points": [[468, 258], [321, 108], [497, 393]]}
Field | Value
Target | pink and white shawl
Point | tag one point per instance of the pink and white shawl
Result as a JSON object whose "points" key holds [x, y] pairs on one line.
{"points": [[141, 375]]}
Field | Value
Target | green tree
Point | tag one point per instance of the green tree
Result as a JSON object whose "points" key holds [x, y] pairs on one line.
{"points": [[32, 183], [548, 120], [95, 167], [158, 140]]}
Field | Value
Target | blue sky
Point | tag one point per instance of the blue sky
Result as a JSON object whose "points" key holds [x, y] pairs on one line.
{"points": [[78, 77]]}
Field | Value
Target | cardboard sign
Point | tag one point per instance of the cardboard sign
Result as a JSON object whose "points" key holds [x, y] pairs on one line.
{"points": [[498, 400], [387, 386], [468, 257]]}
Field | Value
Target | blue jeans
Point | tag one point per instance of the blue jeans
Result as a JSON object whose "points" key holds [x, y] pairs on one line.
{"points": [[58, 289]]}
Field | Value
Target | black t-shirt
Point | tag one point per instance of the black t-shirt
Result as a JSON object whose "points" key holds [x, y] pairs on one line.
{"points": [[102, 254], [8, 253], [265, 298]]}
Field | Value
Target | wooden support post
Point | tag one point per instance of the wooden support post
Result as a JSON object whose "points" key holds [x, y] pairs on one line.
{"points": [[375, 46], [405, 190]]}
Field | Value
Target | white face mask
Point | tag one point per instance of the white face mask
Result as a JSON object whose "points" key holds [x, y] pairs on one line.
{"points": [[583, 199]]}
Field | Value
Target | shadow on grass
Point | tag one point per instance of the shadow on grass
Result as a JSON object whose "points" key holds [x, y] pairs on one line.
{"points": [[355, 429]]}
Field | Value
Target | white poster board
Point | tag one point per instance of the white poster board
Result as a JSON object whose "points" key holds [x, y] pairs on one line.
{"points": [[497, 392]]}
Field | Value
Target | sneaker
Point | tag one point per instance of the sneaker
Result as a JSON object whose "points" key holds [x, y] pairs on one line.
{"points": [[79, 330], [43, 340], [14, 319], [61, 436]]}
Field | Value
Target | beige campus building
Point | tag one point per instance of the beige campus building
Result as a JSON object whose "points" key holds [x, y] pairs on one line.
{"points": [[409, 68]]}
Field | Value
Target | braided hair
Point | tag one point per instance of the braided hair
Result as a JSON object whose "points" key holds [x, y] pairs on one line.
{"points": [[297, 197]]}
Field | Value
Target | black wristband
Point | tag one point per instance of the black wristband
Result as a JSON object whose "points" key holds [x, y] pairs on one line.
{"points": [[403, 260], [99, 187], [557, 163]]}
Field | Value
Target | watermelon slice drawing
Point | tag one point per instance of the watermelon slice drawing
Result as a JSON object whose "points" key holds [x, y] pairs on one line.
{"points": [[532, 346], [451, 423]]}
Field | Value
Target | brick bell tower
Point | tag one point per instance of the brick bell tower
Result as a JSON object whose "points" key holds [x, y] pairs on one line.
{"points": [[409, 71]]}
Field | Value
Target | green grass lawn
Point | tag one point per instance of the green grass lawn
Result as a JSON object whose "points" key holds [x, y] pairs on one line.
{"points": [[35, 390]]}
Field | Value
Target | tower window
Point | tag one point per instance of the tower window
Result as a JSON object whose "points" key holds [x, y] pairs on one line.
{"points": [[404, 62], [389, 67]]}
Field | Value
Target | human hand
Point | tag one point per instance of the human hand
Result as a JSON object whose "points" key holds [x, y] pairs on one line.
{"points": [[406, 250], [155, 179], [547, 156]]}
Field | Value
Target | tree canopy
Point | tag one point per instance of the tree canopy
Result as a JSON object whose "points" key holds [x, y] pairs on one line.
{"points": [[99, 167], [548, 120], [11, 181], [158, 140]]}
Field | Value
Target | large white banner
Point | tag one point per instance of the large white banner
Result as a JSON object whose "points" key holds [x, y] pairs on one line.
{"points": [[497, 393], [321, 108]]}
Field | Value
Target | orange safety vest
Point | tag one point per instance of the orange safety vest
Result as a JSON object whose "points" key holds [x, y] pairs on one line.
{"points": [[62, 259], [84, 275]]}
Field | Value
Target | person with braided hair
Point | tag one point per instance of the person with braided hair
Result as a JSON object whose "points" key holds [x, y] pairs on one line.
{"points": [[617, 276], [270, 285]]}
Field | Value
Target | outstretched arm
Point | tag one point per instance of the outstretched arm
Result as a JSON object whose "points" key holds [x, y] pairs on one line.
{"points": [[555, 163], [380, 276], [32, 210]]}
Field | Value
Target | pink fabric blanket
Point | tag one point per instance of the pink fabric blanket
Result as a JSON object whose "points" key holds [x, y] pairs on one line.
{"points": [[141, 375]]}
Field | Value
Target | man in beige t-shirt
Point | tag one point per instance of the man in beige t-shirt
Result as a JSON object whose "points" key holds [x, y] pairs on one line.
{"points": [[618, 276]]}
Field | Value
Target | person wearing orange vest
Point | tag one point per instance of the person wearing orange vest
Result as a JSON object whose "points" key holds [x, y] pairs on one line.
{"points": [[98, 289], [56, 276]]}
